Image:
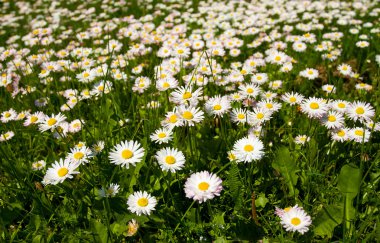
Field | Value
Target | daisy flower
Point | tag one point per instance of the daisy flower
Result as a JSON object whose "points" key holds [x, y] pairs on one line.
{"points": [[292, 98], [9, 115], [60, 171], [111, 191], [248, 149], [34, 118], [295, 219], [314, 107], [359, 134], [97, 147], [183, 95], [166, 83], [202, 186], [51, 122], [39, 165], [345, 69], [170, 159], [172, 119], [340, 135], [141, 202], [162, 135], [6, 136], [132, 227], [339, 106], [190, 115], [218, 105], [333, 120], [239, 115], [126, 153], [328, 88], [360, 111], [270, 105], [249, 90], [309, 73], [301, 139], [80, 155], [259, 116]]}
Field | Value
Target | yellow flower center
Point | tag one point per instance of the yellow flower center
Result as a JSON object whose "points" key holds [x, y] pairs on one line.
{"points": [[173, 118], [217, 107], [241, 116], [359, 111], [331, 118], [7, 115], [341, 133], [359, 133], [187, 115], [314, 105], [51, 121], [269, 106], [277, 58], [142, 202], [126, 154], [161, 135], [180, 51], [287, 209], [292, 99], [203, 186], [260, 116], [166, 85], [170, 160], [250, 90], [248, 148], [341, 105], [62, 172], [187, 95], [78, 155], [295, 221]]}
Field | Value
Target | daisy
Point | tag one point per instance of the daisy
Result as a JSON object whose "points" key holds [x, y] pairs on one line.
{"points": [[218, 105], [34, 118], [97, 147], [166, 83], [360, 111], [80, 155], [126, 153], [162, 135], [111, 191], [141, 202], [314, 107], [270, 105], [239, 115], [190, 115], [9, 115], [51, 122], [295, 219], [202, 186], [328, 88], [170, 159], [345, 69], [292, 98], [301, 139], [172, 119], [250, 90], [359, 134], [333, 120], [132, 227], [248, 149], [6, 136], [183, 95], [39, 165], [309, 73], [75, 126], [259, 115], [340, 135], [60, 171], [339, 106]]}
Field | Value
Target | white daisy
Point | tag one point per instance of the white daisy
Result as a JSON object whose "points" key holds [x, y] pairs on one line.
{"points": [[162, 135], [360, 111], [333, 120], [141, 202], [170, 159], [202, 186], [295, 219], [80, 155], [314, 107], [126, 153], [60, 171], [248, 149]]}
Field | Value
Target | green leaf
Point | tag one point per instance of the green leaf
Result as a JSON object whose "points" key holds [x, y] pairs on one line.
{"points": [[37, 239], [99, 229], [327, 219], [286, 165], [349, 181], [261, 201]]}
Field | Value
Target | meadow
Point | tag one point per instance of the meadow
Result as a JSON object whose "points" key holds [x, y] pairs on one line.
{"points": [[189, 121]]}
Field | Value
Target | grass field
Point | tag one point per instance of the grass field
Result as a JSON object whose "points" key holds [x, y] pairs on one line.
{"points": [[189, 121]]}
